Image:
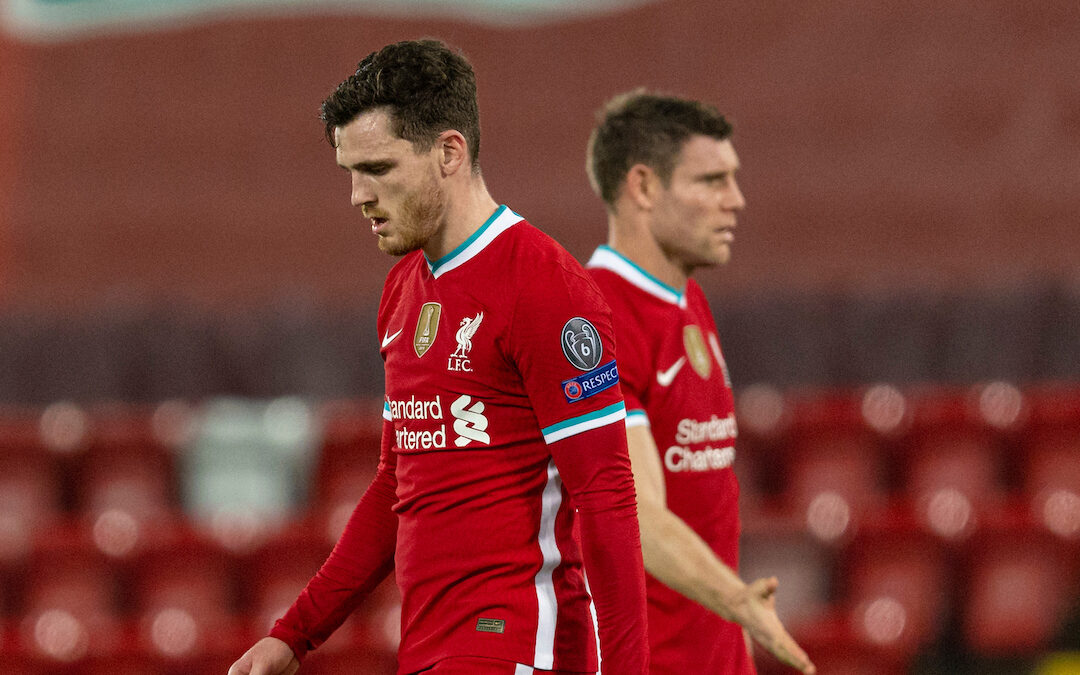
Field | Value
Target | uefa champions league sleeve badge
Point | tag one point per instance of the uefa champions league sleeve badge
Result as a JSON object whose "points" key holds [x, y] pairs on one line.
{"points": [[581, 344]]}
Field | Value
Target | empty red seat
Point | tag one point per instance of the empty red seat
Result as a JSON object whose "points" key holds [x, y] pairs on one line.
{"points": [[70, 608], [30, 501], [125, 495], [834, 482], [1051, 479], [836, 460], [950, 474], [185, 599], [896, 588], [1020, 584]]}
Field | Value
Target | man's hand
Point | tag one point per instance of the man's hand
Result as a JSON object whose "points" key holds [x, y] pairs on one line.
{"points": [[757, 614], [269, 656]]}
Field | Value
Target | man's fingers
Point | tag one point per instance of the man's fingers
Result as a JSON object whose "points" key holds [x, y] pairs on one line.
{"points": [[764, 588], [240, 667], [788, 651]]}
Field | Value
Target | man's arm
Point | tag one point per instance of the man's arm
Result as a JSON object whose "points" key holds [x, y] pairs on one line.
{"points": [[680, 559], [362, 557], [595, 469]]}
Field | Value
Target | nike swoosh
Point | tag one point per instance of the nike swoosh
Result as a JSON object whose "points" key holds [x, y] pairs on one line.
{"points": [[666, 377], [387, 339]]}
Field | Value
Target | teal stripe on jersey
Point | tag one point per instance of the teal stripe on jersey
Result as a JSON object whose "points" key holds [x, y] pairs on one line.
{"points": [[386, 412], [576, 425], [450, 260], [637, 418], [608, 258]]}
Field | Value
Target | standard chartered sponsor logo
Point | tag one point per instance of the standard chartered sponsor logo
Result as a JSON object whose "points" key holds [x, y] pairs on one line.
{"points": [[470, 424], [689, 432], [678, 458], [715, 429], [416, 410]]}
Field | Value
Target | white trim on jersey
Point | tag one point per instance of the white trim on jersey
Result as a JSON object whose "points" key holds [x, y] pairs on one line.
{"points": [[637, 418], [522, 669], [595, 626], [548, 604], [607, 258], [499, 222], [576, 425]]}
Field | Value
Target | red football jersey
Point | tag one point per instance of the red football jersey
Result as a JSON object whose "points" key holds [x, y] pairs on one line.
{"points": [[504, 426], [675, 380]]}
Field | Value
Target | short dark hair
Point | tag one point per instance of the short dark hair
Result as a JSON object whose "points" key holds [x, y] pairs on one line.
{"points": [[639, 127], [426, 87]]}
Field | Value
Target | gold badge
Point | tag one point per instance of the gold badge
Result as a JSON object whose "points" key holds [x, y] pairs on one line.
{"points": [[696, 351], [427, 327]]}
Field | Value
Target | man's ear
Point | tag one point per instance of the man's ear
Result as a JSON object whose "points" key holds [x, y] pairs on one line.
{"points": [[453, 152], [642, 186]]}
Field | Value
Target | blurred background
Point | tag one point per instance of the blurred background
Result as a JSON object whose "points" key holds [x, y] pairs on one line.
{"points": [[189, 375]]}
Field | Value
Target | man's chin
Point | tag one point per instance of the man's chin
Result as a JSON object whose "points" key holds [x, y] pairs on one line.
{"points": [[393, 247]]}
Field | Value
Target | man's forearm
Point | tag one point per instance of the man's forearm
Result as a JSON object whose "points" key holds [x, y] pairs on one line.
{"points": [[681, 560]]}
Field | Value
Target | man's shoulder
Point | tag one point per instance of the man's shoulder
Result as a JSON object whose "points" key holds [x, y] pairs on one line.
{"points": [[544, 258]]}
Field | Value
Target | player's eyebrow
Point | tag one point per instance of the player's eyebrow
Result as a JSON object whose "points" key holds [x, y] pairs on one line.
{"points": [[717, 175], [373, 166]]}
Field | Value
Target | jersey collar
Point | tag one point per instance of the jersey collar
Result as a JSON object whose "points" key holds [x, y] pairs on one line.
{"points": [[499, 222], [609, 259]]}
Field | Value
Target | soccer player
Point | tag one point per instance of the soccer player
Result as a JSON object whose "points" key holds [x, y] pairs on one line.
{"points": [[504, 422], [665, 169]]}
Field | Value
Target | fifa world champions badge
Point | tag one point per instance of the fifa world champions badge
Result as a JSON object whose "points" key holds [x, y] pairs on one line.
{"points": [[581, 344], [427, 327]]}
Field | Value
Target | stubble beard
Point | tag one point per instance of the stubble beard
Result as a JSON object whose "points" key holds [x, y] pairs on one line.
{"points": [[421, 215]]}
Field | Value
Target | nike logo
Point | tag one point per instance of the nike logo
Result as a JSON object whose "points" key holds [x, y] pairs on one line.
{"points": [[666, 377], [387, 338]]}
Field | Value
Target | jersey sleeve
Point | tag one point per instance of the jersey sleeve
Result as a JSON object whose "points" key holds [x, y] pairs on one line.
{"points": [[595, 468], [635, 364], [565, 351], [562, 343], [362, 557]]}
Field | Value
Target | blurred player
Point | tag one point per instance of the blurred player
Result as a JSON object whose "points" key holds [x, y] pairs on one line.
{"points": [[504, 423], [665, 168]]}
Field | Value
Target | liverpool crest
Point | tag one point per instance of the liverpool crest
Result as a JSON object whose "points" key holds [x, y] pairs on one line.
{"points": [[459, 360]]}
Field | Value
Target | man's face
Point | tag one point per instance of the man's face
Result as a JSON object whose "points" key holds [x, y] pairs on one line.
{"points": [[695, 215], [395, 186]]}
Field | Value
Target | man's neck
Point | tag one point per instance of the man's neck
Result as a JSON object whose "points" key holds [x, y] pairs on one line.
{"points": [[465, 213], [634, 242]]}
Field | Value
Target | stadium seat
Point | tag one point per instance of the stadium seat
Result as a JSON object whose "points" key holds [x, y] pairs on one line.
{"points": [[952, 464], [31, 488], [126, 495], [895, 590], [1051, 480], [835, 457], [31, 495], [834, 482], [70, 609], [184, 600], [1020, 584]]}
